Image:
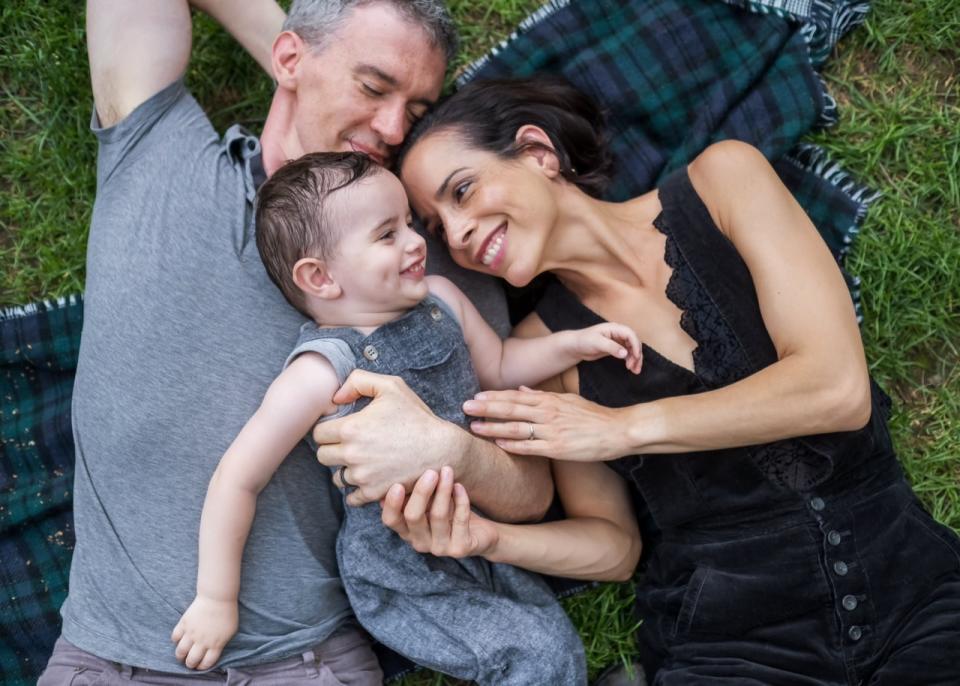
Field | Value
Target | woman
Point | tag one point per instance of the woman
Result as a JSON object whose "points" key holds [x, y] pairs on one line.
{"points": [[783, 543]]}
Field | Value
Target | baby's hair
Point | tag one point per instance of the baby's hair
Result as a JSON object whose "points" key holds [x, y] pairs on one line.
{"points": [[291, 221], [487, 114]]}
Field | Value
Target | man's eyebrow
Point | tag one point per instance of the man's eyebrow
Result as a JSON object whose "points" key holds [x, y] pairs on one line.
{"points": [[376, 72], [443, 186]]}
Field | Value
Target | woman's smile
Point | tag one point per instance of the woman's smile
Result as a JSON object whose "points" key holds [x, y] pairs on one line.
{"points": [[493, 249]]}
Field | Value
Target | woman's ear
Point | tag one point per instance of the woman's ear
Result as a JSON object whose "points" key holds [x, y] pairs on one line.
{"points": [[311, 276], [288, 50], [534, 141]]}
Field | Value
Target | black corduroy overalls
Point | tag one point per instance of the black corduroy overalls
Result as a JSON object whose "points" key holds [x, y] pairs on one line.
{"points": [[803, 561]]}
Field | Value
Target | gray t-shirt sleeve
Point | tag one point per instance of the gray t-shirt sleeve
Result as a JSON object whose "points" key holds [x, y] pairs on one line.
{"points": [[171, 116], [338, 354]]}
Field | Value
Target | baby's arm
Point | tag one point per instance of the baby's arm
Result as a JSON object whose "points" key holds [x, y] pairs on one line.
{"points": [[528, 361], [302, 393]]}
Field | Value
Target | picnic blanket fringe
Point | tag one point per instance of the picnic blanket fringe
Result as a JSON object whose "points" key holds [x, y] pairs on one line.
{"points": [[535, 18], [18, 311], [815, 159]]}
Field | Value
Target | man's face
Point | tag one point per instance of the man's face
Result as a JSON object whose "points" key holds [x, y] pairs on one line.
{"points": [[366, 87]]}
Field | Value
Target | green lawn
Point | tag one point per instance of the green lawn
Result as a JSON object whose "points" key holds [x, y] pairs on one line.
{"points": [[898, 86]]}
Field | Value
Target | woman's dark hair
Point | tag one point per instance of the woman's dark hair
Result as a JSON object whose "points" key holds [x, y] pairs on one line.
{"points": [[488, 113]]}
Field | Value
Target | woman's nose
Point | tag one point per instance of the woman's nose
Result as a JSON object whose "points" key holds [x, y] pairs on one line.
{"points": [[460, 237]]}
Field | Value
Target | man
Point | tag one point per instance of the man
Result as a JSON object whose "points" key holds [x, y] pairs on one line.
{"points": [[176, 289]]}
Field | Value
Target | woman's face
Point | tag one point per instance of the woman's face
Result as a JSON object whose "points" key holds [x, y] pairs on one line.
{"points": [[495, 215]]}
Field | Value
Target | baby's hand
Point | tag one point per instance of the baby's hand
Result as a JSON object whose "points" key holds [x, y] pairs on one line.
{"points": [[204, 630], [611, 339]]}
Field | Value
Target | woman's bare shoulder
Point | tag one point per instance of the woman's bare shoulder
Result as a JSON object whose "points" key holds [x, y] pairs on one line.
{"points": [[724, 173]]}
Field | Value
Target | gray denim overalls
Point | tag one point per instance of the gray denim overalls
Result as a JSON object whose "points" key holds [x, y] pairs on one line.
{"points": [[469, 618]]}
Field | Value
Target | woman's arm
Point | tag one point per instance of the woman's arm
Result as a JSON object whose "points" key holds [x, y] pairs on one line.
{"points": [[290, 407], [599, 540], [818, 385]]}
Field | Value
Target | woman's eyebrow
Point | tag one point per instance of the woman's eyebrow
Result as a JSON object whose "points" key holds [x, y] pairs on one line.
{"points": [[446, 181]]}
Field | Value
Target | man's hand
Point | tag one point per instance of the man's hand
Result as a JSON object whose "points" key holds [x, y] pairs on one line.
{"points": [[393, 440], [437, 518], [204, 630]]}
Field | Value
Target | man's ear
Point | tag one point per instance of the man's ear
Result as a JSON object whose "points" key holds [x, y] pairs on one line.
{"points": [[535, 142], [288, 51], [311, 276]]}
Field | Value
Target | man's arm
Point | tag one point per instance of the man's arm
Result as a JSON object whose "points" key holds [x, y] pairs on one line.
{"points": [[255, 24], [138, 48], [396, 438]]}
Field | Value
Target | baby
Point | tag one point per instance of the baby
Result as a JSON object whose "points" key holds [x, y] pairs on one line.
{"points": [[335, 234]]}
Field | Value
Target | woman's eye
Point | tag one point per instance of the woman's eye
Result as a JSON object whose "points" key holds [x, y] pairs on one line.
{"points": [[370, 90], [460, 191]]}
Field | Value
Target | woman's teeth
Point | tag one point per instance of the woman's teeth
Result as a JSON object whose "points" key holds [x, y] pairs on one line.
{"points": [[492, 250]]}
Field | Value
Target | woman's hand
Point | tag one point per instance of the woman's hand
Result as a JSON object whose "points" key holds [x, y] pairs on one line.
{"points": [[437, 518], [563, 426]]}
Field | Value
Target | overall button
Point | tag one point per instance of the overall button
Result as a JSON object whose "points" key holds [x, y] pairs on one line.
{"points": [[833, 538], [855, 633], [849, 603], [436, 314], [371, 353], [817, 504], [840, 568]]}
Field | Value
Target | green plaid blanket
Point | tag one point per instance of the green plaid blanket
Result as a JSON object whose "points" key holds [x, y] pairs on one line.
{"points": [[674, 75]]}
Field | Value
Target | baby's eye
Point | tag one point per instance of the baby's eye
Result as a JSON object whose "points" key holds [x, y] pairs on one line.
{"points": [[371, 91], [388, 235]]}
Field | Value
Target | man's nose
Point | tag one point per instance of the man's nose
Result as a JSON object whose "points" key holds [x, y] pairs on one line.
{"points": [[390, 123]]}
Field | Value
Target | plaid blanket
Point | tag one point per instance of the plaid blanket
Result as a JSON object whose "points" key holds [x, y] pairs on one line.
{"points": [[675, 75]]}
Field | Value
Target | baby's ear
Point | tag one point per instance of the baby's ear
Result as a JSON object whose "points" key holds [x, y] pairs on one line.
{"points": [[311, 276], [535, 142]]}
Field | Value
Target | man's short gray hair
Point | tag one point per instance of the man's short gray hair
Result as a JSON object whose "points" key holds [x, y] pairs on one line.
{"points": [[315, 20]]}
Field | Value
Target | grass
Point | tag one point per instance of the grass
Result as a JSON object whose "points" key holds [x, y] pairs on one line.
{"points": [[896, 80]]}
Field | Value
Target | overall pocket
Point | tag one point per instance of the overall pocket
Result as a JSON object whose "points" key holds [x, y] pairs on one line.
{"points": [[731, 603]]}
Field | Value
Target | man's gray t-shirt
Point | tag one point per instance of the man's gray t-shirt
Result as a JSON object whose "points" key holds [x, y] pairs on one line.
{"points": [[183, 333]]}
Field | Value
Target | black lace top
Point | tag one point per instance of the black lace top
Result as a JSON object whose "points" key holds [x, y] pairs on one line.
{"points": [[711, 286], [719, 360]]}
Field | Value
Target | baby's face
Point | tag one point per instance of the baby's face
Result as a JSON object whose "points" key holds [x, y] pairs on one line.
{"points": [[380, 259]]}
